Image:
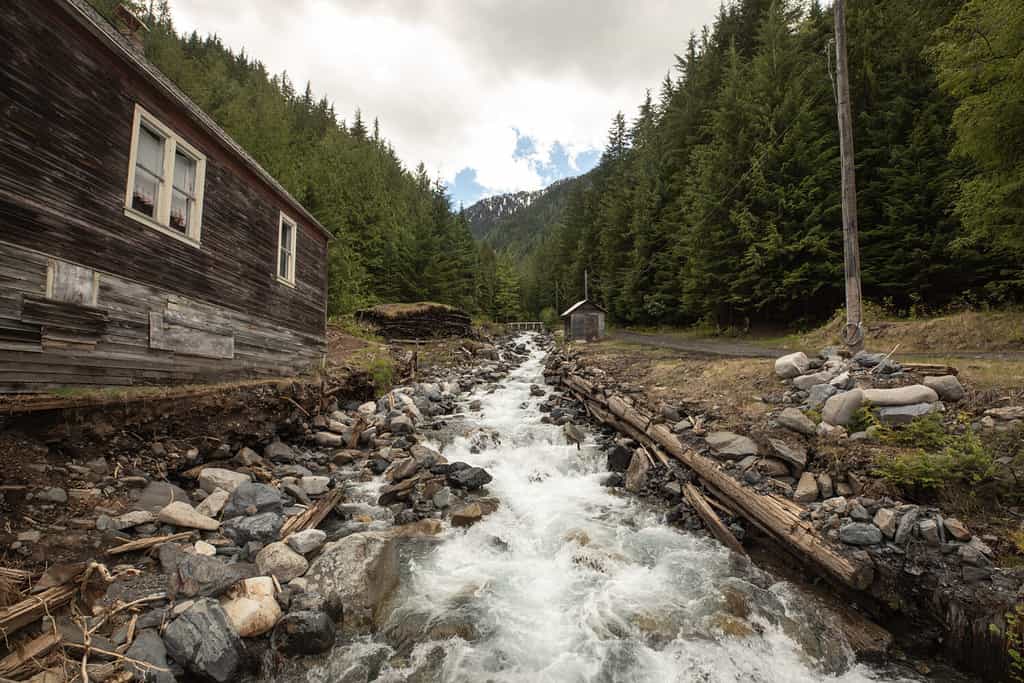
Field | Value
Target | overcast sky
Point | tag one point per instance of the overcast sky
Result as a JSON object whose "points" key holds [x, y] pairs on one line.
{"points": [[492, 95]]}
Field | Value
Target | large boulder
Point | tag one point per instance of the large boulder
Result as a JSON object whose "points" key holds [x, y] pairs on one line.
{"points": [[213, 478], [204, 642], [359, 571], [792, 365], [730, 444], [250, 498], [469, 478], [840, 409], [636, 474], [948, 387], [304, 632], [901, 396]]}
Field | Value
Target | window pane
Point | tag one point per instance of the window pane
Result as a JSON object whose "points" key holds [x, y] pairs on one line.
{"points": [[145, 192], [184, 173], [181, 209], [150, 155], [283, 265], [285, 251]]}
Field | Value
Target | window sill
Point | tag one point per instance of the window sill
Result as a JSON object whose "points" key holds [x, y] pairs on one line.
{"points": [[147, 221], [284, 281]]}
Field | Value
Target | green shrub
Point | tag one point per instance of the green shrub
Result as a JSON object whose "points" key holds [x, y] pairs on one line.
{"points": [[383, 371], [863, 419], [926, 432], [944, 461]]}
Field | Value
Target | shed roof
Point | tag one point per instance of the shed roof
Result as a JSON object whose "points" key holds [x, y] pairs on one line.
{"points": [[101, 28], [579, 303]]}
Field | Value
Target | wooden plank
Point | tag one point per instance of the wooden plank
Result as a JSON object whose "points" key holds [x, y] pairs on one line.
{"points": [[72, 284], [711, 520], [188, 341]]}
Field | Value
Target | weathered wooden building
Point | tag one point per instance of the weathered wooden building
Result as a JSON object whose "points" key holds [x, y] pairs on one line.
{"points": [[584, 320], [139, 244]]}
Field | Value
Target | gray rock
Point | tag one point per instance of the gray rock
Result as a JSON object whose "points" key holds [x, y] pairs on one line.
{"points": [[213, 478], [315, 485], [957, 529], [805, 382], [251, 498], [868, 360], [683, 425], [795, 455], [901, 415], [773, 467], [149, 648], [401, 424], [730, 444], [906, 526], [619, 457], [929, 531], [213, 504], [278, 451], [279, 560], [470, 478], [792, 365], [837, 505], [806, 489], [819, 393], [262, 528], [443, 498], [203, 641], [842, 381], [54, 494], [858, 533], [901, 396], [859, 513], [948, 387], [307, 541], [360, 572], [792, 418], [825, 486], [636, 474], [885, 520], [304, 632], [841, 408], [328, 439], [191, 575]]}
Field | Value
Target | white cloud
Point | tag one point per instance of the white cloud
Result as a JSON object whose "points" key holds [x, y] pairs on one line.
{"points": [[450, 79]]}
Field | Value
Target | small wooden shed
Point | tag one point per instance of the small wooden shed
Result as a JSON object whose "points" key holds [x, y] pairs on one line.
{"points": [[584, 320]]}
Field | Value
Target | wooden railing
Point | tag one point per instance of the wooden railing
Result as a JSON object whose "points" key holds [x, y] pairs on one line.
{"points": [[525, 327]]}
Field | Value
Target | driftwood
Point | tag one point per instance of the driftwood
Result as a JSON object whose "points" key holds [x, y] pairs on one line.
{"points": [[778, 519], [35, 607], [930, 368], [22, 661], [144, 543], [313, 515], [711, 520]]}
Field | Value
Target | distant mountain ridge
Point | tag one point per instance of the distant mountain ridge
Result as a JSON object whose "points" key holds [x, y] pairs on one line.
{"points": [[514, 221]]}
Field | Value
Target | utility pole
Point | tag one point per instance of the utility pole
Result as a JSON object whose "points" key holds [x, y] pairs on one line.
{"points": [[853, 333], [586, 285]]}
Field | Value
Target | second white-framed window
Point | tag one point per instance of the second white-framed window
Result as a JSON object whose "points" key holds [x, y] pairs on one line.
{"points": [[287, 235], [166, 176]]}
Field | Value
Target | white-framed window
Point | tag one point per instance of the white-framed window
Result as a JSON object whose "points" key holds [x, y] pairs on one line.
{"points": [[166, 176], [287, 232]]}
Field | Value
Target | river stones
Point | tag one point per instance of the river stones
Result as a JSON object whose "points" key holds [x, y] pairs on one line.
{"points": [[841, 408], [885, 520], [806, 489], [469, 478], [636, 473], [213, 478], [948, 387], [184, 515], [901, 396], [860, 533], [730, 444], [902, 415], [278, 559], [304, 632], [467, 515], [250, 498], [252, 609], [359, 572], [805, 382]]}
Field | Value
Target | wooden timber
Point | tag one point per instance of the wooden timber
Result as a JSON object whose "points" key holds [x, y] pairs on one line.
{"points": [[778, 518], [711, 520]]}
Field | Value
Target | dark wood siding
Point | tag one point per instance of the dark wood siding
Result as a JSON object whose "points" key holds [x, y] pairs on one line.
{"points": [[68, 101]]}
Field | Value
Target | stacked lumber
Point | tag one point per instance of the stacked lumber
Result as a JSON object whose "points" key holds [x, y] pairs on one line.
{"points": [[423, 320], [776, 517]]}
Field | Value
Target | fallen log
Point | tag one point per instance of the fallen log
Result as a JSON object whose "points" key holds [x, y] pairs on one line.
{"points": [[711, 520], [780, 521], [34, 607], [22, 661]]}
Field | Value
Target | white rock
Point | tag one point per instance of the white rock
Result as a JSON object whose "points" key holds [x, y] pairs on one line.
{"points": [[252, 610], [792, 365], [204, 548], [314, 486], [840, 409], [277, 559], [305, 542], [901, 396], [184, 515], [213, 478], [213, 503]]}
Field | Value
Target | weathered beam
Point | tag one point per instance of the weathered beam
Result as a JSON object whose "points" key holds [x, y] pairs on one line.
{"points": [[711, 520]]}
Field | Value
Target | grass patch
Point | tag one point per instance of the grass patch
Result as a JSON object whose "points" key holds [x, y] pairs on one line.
{"points": [[354, 328]]}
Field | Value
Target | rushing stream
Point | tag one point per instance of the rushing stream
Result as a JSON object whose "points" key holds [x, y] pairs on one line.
{"points": [[572, 581]]}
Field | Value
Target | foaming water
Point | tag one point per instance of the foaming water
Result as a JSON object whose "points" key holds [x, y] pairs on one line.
{"points": [[570, 581]]}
